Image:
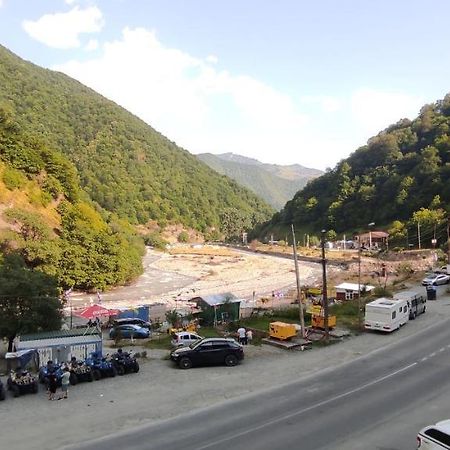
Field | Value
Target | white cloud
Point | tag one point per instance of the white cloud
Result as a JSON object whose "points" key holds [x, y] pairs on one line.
{"points": [[91, 45], [70, 2], [187, 99], [1, 3], [212, 59], [374, 110], [62, 30], [326, 103]]}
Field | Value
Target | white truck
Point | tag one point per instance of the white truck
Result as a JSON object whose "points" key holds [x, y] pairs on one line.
{"points": [[386, 314], [417, 302]]}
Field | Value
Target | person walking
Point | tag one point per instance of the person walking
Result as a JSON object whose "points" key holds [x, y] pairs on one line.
{"points": [[249, 336], [242, 335], [65, 381]]}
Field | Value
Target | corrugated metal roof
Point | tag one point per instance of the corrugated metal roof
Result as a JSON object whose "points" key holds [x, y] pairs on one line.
{"points": [[60, 334], [61, 341], [218, 299], [354, 287]]}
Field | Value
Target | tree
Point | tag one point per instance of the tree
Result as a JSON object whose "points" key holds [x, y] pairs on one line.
{"points": [[173, 317], [28, 300]]}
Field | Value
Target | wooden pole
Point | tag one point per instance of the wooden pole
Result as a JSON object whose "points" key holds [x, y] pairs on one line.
{"points": [[299, 291], [324, 289]]}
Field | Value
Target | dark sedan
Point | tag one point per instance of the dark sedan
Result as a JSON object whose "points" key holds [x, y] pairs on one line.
{"points": [[129, 331], [209, 351]]}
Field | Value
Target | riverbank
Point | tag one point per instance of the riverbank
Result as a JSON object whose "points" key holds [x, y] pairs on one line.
{"points": [[178, 276]]}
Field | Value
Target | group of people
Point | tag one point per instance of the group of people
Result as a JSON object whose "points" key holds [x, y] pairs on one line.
{"points": [[52, 382], [244, 336], [94, 323]]}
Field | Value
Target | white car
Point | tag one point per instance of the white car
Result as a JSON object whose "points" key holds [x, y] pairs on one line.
{"points": [[433, 279], [434, 436], [184, 338]]}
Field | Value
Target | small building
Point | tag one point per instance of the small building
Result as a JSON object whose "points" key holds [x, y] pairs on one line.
{"points": [[378, 239], [218, 308], [350, 291], [60, 346]]}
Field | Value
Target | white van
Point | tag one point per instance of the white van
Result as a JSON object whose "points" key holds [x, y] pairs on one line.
{"points": [[417, 302], [386, 314], [434, 436]]}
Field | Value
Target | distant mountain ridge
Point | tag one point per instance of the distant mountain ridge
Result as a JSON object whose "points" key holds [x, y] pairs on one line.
{"points": [[276, 184]]}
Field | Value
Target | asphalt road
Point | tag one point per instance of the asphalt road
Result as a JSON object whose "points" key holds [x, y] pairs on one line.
{"points": [[378, 401]]}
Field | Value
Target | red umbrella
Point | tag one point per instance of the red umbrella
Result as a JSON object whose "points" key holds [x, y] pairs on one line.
{"points": [[97, 311]]}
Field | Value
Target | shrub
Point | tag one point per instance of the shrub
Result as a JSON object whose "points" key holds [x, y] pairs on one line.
{"points": [[288, 313], [155, 240], [183, 237], [13, 179], [405, 268]]}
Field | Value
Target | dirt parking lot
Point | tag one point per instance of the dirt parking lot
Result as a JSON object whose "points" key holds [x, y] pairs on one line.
{"points": [[161, 390]]}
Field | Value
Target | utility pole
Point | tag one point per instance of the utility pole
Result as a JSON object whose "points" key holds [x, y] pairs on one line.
{"points": [[299, 291], [324, 289], [448, 240], [418, 234], [359, 289], [371, 224]]}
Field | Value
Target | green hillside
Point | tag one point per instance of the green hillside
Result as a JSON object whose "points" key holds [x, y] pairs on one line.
{"points": [[274, 183], [124, 165], [400, 178], [49, 223]]}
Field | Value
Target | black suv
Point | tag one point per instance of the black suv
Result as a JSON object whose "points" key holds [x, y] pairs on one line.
{"points": [[209, 351], [131, 321]]}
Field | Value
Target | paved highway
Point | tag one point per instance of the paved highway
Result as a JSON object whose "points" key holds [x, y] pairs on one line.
{"points": [[378, 401]]}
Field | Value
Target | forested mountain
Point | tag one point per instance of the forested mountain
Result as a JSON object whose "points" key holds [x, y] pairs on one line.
{"points": [[124, 165], [401, 177], [274, 183], [49, 222]]}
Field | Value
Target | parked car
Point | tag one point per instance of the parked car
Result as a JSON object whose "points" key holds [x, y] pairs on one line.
{"points": [[208, 351], [443, 269], [434, 436], [132, 321], [129, 331], [184, 338], [433, 279]]}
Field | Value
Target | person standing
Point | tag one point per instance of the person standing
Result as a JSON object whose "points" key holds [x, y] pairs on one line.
{"points": [[249, 336], [52, 385], [242, 335], [65, 381]]}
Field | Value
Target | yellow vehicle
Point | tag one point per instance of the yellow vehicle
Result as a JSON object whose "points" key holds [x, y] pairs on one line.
{"points": [[318, 319], [192, 326], [281, 330]]}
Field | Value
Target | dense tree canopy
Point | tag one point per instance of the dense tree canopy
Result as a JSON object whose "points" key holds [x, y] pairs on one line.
{"points": [[401, 176], [29, 300], [124, 165]]}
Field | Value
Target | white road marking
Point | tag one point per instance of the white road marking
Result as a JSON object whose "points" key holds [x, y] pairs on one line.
{"points": [[302, 411]]}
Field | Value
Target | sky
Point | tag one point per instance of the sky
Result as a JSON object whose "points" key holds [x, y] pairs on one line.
{"points": [[284, 82]]}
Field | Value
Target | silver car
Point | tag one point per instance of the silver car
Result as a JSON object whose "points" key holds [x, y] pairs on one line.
{"points": [[184, 338], [433, 279]]}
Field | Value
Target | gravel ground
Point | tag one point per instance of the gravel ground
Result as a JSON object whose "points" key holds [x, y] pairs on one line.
{"points": [[160, 390]]}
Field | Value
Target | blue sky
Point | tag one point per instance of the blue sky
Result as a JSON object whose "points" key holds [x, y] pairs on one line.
{"points": [[287, 81]]}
